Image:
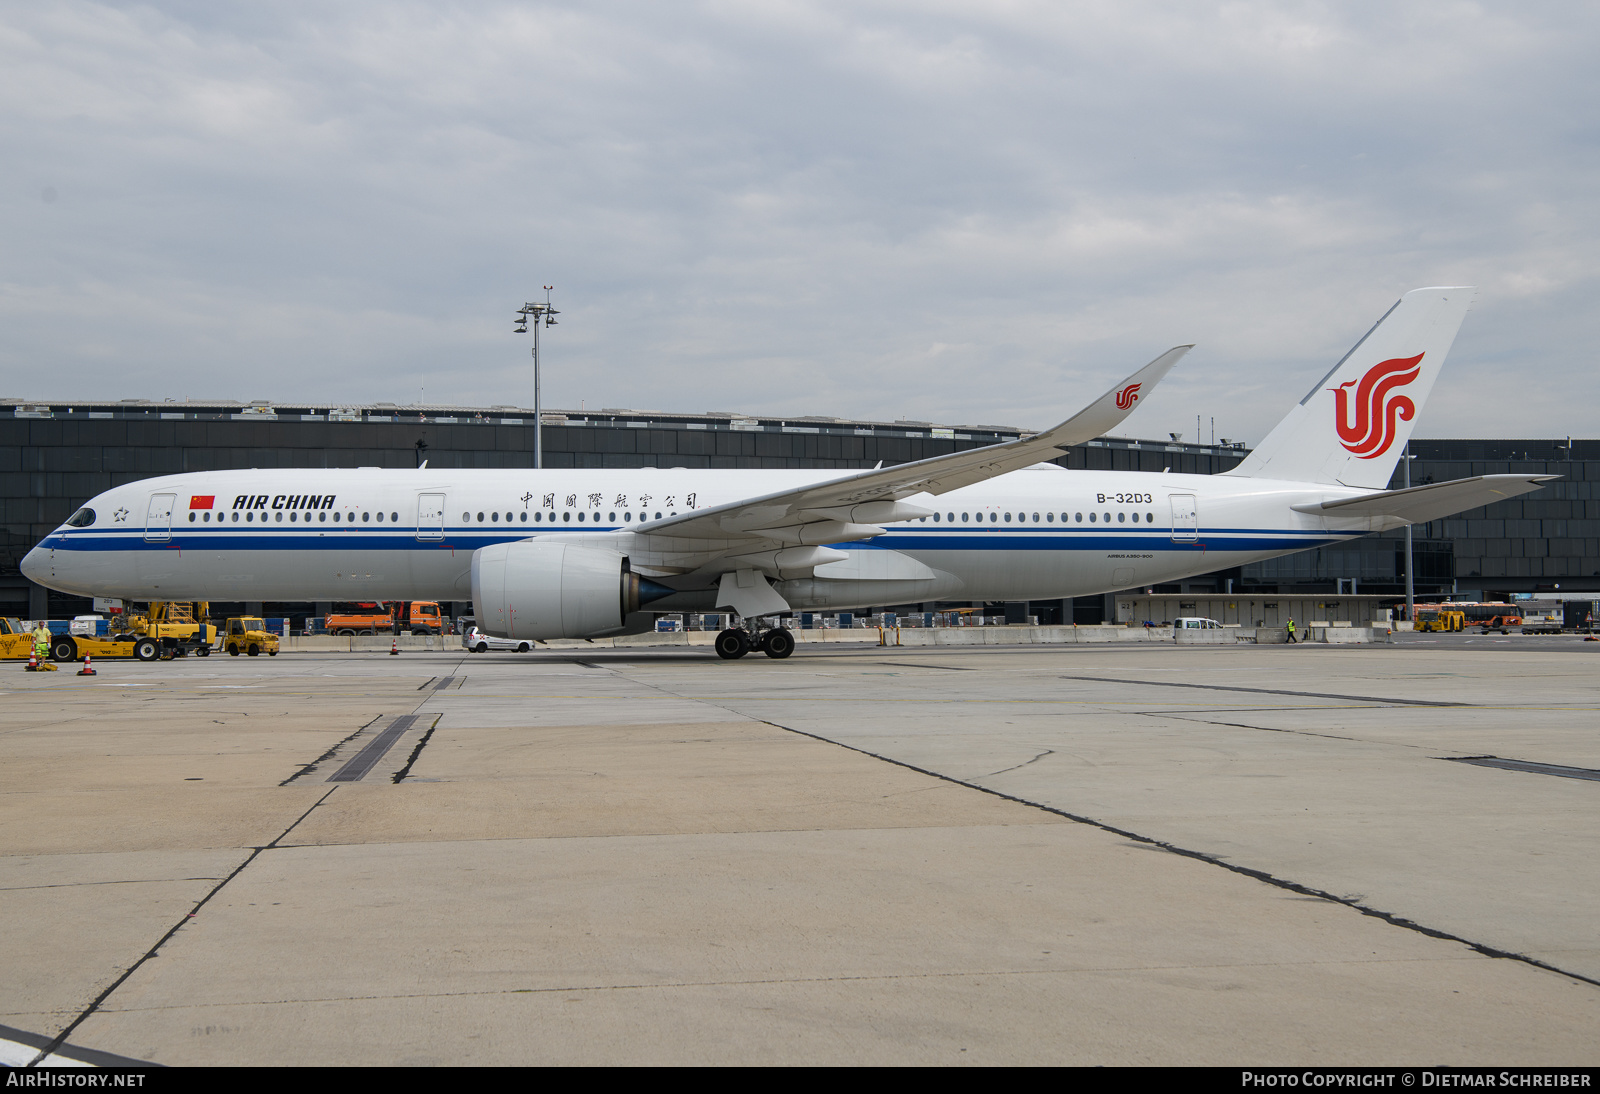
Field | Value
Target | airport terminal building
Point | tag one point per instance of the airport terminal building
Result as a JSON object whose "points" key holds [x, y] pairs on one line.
{"points": [[54, 456]]}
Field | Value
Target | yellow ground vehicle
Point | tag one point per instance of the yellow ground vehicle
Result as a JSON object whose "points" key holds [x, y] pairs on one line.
{"points": [[167, 630], [248, 635], [14, 641], [1440, 619], [178, 627]]}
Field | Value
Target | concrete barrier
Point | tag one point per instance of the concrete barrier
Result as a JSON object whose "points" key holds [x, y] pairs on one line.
{"points": [[1332, 636], [907, 636], [1213, 636], [1027, 636]]}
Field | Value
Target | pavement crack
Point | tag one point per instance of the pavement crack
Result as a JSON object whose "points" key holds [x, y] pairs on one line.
{"points": [[1269, 691], [1201, 856], [1014, 767], [415, 752], [1183, 717], [61, 1038]]}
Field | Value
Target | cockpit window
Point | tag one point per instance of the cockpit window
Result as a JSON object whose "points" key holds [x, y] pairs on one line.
{"points": [[82, 518]]}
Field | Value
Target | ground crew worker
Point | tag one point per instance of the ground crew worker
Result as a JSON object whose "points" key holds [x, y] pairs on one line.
{"points": [[1291, 632], [41, 640]]}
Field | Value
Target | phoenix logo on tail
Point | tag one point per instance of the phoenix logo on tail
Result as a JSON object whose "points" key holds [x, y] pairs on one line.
{"points": [[1128, 396], [1378, 408]]}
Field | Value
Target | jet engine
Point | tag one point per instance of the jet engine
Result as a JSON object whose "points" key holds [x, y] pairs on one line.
{"points": [[544, 588]]}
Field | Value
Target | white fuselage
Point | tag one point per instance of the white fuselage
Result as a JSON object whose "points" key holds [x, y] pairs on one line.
{"points": [[372, 534]]}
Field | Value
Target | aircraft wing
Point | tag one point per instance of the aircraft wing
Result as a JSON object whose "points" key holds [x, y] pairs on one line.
{"points": [[1421, 503], [852, 506]]}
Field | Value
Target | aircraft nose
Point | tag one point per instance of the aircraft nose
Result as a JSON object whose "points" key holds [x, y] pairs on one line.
{"points": [[35, 565]]}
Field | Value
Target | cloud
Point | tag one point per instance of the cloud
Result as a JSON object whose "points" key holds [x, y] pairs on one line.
{"points": [[887, 210]]}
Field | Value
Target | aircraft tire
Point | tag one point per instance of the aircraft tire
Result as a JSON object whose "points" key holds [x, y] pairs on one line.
{"points": [[732, 645], [63, 649], [777, 644], [146, 649]]}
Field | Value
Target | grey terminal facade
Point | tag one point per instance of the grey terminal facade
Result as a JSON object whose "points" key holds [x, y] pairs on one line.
{"points": [[54, 456]]}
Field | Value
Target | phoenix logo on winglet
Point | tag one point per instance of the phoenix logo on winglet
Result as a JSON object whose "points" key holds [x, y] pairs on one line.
{"points": [[1128, 396], [1378, 410]]}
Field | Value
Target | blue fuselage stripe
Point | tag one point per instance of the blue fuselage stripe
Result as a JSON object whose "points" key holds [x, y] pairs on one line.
{"points": [[460, 539]]}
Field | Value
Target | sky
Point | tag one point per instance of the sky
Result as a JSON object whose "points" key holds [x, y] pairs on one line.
{"points": [[959, 213]]}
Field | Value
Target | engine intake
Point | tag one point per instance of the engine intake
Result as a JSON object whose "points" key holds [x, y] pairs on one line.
{"points": [[544, 588]]}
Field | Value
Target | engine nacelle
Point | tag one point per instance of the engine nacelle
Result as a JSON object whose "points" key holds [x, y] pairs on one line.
{"points": [[544, 588]]}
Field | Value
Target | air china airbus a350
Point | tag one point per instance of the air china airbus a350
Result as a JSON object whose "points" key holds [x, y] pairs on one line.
{"points": [[586, 553]]}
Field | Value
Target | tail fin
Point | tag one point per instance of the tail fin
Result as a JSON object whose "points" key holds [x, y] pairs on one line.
{"points": [[1351, 427]]}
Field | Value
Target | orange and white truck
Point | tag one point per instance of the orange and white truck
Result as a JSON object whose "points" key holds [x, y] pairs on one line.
{"points": [[416, 616]]}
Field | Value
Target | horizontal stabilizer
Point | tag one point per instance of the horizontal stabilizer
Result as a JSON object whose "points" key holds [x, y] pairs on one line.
{"points": [[1416, 504]]}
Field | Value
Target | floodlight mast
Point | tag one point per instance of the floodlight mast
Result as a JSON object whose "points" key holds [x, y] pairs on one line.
{"points": [[548, 314]]}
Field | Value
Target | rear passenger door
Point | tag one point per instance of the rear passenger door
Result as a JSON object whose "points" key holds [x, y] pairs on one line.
{"points": [[1185, 518]]}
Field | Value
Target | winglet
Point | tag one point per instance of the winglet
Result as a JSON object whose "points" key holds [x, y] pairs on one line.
{"points": [[1109, 411]]}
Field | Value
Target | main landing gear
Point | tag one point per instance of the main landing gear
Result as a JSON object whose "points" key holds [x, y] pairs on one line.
{"points": [[733, 643]]}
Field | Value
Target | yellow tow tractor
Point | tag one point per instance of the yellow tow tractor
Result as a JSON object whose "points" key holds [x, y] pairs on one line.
{"points": [[15, 643], [249, 635], [1441, 620], [72, 647]]}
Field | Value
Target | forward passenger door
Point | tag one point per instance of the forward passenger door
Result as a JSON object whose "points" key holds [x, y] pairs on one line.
{"points": [[430, 518], [158, 519]]}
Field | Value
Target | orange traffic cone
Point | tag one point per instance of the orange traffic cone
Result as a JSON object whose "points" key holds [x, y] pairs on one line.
{"points": [[33, 660], [394, 648], [88, 667]]}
